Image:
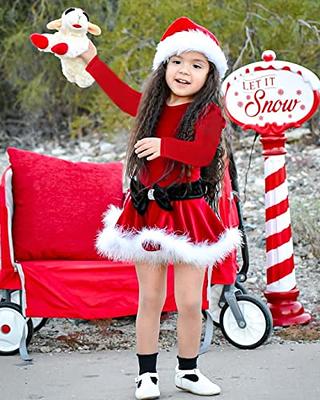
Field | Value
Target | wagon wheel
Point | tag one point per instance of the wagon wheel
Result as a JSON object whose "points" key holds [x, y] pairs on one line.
{"points": [[258, 323], [12, 323], [216, 314], [38, 323]]}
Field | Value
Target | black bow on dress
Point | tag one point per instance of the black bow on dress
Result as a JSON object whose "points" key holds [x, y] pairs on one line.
{"points": [[141, 196]]}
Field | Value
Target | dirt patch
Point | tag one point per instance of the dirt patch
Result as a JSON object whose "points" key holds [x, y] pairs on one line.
{"points": [[309, 332]]}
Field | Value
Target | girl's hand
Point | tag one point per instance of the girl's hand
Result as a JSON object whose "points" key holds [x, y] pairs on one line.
{"points": [[88, 55], [148, 147]]}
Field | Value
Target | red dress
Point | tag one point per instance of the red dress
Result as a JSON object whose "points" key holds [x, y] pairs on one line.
{"points": [[190, 233]]}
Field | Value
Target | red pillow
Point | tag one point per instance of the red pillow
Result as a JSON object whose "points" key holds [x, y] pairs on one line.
{"points": [[58, 205]]}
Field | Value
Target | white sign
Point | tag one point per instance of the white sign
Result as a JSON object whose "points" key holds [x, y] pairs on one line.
{"points": [[271, 93]]}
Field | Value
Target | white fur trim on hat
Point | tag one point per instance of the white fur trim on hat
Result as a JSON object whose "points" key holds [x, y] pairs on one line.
{"points": [[119, 244], [191, 40]]}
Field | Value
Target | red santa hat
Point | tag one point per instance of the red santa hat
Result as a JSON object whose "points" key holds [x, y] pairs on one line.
{"points": [[185, 35]]}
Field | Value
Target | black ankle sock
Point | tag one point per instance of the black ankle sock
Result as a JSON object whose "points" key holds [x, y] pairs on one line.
{"points": [[187, 363], [147, 363]]}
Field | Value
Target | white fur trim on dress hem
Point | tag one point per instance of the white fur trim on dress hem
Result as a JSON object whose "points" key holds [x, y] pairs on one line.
{"points": [[119, 244]]}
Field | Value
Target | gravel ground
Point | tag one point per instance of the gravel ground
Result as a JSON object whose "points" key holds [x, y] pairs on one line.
{"points": [[303, 167]]}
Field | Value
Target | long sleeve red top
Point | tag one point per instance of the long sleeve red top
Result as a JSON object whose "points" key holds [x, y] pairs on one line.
{"points": [[196, 153]]}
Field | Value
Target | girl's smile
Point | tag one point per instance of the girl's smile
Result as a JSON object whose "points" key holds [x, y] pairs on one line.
{"points": [[185, 75]]}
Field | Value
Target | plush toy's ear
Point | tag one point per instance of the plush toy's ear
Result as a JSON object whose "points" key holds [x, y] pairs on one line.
{"points": [[94, 29], [56, 24]]}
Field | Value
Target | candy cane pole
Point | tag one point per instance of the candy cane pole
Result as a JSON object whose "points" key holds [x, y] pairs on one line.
{"points": [[270, 97], [281, 291]]}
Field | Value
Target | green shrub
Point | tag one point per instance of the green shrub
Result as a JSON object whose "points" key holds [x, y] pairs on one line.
{"points": [[32, 82], [306, 224]]}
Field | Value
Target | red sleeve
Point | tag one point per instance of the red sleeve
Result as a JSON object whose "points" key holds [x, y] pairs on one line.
{"points": [[122, 95], [202, 149]]}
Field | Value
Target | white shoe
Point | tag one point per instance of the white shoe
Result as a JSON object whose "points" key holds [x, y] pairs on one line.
{"points": [[201, 385], [147, 386]]}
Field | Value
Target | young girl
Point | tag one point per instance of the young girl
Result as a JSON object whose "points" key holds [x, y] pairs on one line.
{"points": [[174, 162]]}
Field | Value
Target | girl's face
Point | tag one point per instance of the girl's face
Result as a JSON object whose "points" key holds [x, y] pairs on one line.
{"points": [[185, 76]]}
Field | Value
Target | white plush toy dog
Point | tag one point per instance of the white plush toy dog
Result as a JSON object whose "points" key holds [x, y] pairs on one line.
{"points": [[69, 42]]}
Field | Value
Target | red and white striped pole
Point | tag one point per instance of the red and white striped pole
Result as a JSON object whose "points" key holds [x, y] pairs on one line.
{"points": [[270, 97], [281, 291]]}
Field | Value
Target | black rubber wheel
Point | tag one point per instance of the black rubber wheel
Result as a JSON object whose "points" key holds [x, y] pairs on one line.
{"points": [[258, 319], [37, 322], [11, 323]]}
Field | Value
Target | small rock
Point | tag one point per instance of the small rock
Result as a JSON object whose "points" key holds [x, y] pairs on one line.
{"points": [[106, 148], [108, 157], [85, 159], [85, 145], [250, 227], [296, 134], [45, 349], [252, 280], [57, 151]]}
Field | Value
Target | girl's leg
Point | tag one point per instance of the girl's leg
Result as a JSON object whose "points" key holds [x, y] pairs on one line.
{"points": [[152, 295], [188, 283]]}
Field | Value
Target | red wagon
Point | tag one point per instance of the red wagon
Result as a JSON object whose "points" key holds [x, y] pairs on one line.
{"points": [[50, 213]]}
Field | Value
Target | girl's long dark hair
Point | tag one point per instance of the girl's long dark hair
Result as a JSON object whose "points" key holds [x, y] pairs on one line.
{"points": [[153, 100]]}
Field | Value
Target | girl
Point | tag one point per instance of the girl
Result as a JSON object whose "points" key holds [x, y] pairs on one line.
{"points": [[175, 164]]}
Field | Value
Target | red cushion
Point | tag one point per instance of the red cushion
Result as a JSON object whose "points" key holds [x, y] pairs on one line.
{"points": [[58, 205]]}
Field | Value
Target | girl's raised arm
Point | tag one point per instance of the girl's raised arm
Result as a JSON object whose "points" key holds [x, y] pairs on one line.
{"points": [[121, 94], [201, 150]]}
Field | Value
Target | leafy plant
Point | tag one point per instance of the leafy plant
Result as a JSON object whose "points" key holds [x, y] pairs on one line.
{"points": [[32, 84]]}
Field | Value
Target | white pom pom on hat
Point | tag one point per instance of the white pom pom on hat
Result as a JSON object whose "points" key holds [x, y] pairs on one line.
{"points": [[185, 35]]}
